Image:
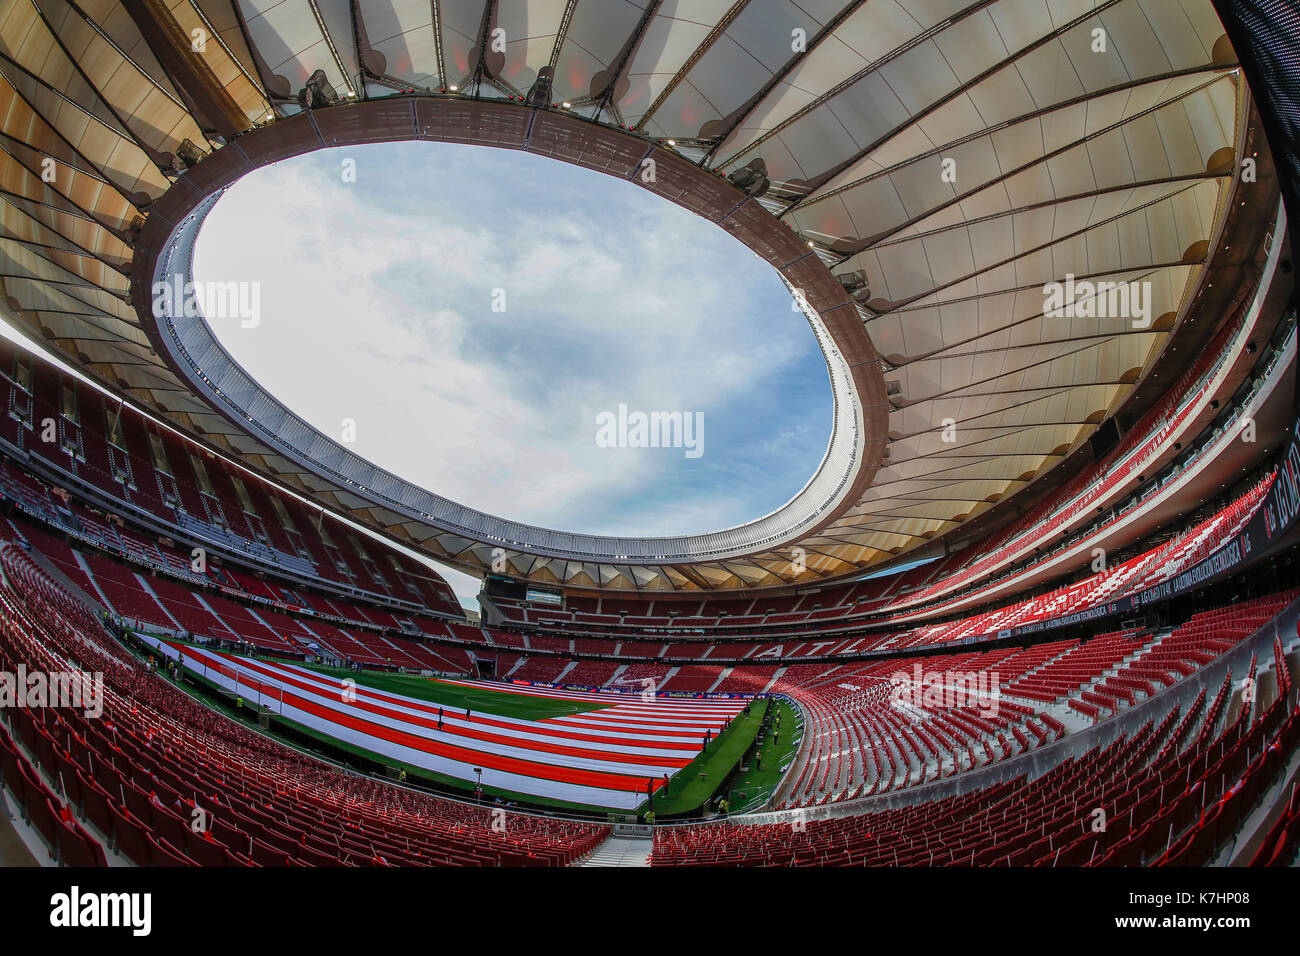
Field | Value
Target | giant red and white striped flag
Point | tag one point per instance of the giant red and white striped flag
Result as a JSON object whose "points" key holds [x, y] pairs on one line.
{"points": [[605, 756]]}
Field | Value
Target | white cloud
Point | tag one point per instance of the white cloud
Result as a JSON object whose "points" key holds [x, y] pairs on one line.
{"points": [[383, 315]]}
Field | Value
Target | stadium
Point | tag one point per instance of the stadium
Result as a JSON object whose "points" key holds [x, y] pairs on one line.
{"points": [[1026, 596]]}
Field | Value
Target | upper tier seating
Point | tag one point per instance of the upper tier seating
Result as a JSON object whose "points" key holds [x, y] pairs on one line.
{"points": [[162, 604], [202, 500], [1154, 566]]}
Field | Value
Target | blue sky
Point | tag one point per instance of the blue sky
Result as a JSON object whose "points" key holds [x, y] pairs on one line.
{"points": [[377, 306]]}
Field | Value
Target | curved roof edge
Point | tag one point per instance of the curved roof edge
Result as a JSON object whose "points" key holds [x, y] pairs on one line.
{"points": [[858, 436]]}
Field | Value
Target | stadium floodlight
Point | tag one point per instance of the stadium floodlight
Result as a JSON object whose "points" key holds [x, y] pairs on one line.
{"points": [[317, 92], [752, 177], [189, 154], [539, 94], [855, 284]]}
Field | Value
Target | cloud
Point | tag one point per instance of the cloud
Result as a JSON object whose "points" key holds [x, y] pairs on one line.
{"points": [[377, 306]]}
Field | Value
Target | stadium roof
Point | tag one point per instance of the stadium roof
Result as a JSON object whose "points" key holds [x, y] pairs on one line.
{"points": [[961, 155]]}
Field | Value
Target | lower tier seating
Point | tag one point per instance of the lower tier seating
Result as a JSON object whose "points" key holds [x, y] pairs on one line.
{"points": [[156, 761], [1163, 797]]}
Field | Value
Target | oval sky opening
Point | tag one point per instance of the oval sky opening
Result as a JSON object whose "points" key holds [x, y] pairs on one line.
{"points": [[523, 336]]}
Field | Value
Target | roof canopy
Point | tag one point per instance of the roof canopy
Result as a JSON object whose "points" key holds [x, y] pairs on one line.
{"points": [[960, 155]]}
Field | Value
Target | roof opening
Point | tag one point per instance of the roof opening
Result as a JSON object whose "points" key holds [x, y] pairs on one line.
{"points": [[521, 336]]}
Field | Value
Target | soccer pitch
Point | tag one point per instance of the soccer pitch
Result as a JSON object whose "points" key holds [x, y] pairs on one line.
{"points": [[589, 749]]}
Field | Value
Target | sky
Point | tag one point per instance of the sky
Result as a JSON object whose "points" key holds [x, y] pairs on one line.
{"points": [[473, 311]]}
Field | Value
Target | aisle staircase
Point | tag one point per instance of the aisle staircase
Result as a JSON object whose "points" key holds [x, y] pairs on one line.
{"points": [[621, 851]]}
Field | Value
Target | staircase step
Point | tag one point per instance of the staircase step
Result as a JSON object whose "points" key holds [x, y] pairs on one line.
{"points": [[621, 851]]}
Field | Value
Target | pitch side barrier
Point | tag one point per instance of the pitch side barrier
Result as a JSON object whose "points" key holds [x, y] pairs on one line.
{"points": [[1035, 763]]}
